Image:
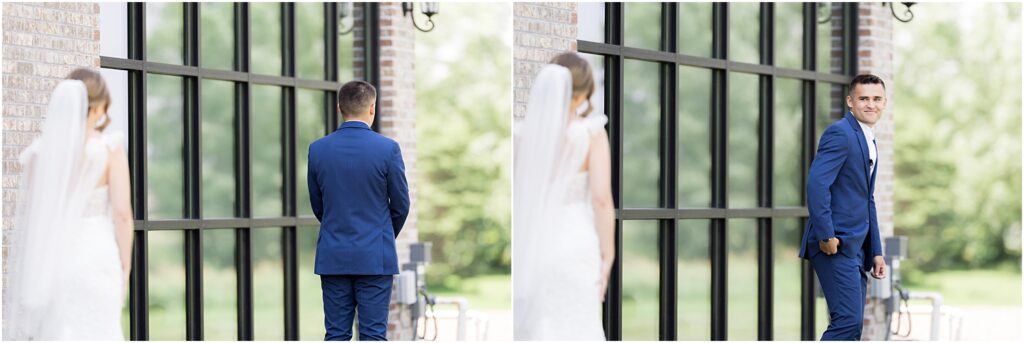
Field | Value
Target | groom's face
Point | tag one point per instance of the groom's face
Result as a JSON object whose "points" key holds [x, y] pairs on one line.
{"points": [[867, 102]]}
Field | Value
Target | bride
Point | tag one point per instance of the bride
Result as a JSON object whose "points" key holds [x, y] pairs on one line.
{"points": [[70, 250], [563, 229]]}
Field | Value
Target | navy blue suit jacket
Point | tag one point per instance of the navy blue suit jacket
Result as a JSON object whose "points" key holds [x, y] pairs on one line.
{"points": [[358, 191], [840, 194]]}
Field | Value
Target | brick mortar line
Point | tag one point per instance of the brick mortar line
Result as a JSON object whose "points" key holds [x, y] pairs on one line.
{"points": [[43, 6], [36, 63], [56, 22], [63, 52]]}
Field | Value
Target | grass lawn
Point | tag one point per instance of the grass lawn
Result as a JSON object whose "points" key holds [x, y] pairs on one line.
{"points": [[485, 292], [972, 287]]}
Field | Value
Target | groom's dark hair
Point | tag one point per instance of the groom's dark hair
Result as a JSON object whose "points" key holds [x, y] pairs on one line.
{"points": [[355, 97], [865, 79]]}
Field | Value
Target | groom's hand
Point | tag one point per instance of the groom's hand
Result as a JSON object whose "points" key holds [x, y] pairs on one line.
{"points": [[879, 271], [829, 247]]}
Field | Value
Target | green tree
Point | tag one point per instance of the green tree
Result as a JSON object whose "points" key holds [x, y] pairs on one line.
{"points": [[463, 124], [958, 145]]}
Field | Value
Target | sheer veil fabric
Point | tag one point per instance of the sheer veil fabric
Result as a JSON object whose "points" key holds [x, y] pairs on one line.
{"points": [[52, 196], [543, 167]]}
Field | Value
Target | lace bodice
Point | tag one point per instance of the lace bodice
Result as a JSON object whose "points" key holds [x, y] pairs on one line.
{"points": [[97, 152], [578, 145]]}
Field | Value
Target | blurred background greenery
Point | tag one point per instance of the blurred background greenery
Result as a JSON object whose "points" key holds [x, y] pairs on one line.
{"points": [[957, 110], [464, 151]]}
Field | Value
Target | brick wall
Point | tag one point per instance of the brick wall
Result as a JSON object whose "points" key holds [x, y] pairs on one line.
{"points": [[397, 119], [541, 31], [42, 43], [874, 52]]}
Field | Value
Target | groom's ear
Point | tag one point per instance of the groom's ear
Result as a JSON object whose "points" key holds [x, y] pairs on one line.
{"points": [[373, 107]]}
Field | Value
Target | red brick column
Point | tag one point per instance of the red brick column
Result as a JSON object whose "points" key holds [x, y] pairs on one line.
{"points": [[874, 56], [540, 31], [42, 43], [397, 119]]}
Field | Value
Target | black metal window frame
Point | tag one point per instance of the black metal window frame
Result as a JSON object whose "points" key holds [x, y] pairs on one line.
{"points": [[138, 68], [668, 213]]}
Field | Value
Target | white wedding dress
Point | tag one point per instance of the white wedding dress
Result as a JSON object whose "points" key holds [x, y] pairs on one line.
{"points": [[556, 256], [92, 309], [65, 280]]}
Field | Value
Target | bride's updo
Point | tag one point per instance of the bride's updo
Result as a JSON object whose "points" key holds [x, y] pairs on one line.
{"points": [[582, 76], [96, 89]]}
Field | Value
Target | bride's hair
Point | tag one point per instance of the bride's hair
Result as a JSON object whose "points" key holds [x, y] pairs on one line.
{"points": [[582, 76], [96, 88]]}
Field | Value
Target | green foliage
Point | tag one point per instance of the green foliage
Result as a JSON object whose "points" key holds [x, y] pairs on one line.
{"points": [[463, 88], [958, 120]]}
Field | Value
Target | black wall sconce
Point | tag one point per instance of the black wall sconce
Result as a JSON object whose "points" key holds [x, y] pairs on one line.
{"points": [[907, 12], [345, 11], [825, 15], [428, 8]]}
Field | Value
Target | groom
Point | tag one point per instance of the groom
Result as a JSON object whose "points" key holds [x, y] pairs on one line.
{"points": [[842, 239], [358, 191]]}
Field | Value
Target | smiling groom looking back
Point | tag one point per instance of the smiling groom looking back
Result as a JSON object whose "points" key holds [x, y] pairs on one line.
{"points": [[842, 239]]}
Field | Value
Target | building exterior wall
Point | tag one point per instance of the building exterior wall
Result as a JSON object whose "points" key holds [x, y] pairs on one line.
{"points": [[540, 31], [42, 43], [874, 56], [397, 119]]}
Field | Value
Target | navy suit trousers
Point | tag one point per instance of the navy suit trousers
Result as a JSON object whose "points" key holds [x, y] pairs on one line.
{"points": [[845, 286], [345, 294]]}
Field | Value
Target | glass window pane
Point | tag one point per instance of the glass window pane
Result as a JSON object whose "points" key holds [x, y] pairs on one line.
{"points": [[265, 23], [311, 305], [114, 30], [821, 319], [695, 28], [591, 21], [267, 284], [309, 40], [218, 35], [789, 34], [165, 32], [694, 280], [640, 274], [641, 112], [743, 140], [165, 143], [741, 235], [643, 25], [166, 268], [310, 126], [267, 178], [831, 102], [787, 186], [350, 15], [829, 36], [218, 153], [597, 65], [744, 31], [786, 236], [694, 135], [219, 291]]}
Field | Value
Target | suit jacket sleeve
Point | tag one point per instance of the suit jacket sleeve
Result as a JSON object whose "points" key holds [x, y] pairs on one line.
{"points": [[873, 235], [398, 190], [316, 200], [832, 152]]}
